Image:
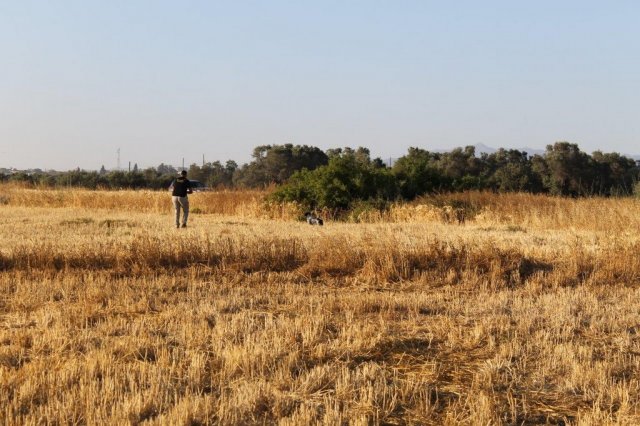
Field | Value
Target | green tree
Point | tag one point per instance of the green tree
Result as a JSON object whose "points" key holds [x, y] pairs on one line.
{"points": [[510, 171], [274, 164], [417, 173], [220, 176], [164, 169], [349, 176], [567, 170], [614, 174], [460, 169]]}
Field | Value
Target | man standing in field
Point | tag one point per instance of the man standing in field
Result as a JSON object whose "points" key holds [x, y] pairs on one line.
{"points": [[180, 187]]}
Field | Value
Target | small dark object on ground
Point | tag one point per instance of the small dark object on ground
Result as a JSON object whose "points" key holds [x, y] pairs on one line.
{"points": [[312, 219]]}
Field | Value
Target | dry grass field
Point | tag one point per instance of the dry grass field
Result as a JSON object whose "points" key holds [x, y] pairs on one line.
{"points": [[526, 312]]}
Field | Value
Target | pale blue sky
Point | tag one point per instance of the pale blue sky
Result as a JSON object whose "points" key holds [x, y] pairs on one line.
{"points": [[165, 80]]}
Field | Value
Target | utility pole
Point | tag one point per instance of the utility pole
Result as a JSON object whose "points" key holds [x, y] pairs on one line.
{"points": [[202, 160], [182, 163]]}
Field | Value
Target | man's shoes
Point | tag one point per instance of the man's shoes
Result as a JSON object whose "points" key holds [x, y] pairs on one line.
{"points": [[177, 225], [184, 225]]}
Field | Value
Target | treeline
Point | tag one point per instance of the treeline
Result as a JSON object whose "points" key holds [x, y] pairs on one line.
{"points": [[338, 177], [271, 164], [153, 178], [351, 176]]}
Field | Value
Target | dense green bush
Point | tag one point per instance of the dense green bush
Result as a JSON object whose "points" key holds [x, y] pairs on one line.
{"points": [[348, 177]]}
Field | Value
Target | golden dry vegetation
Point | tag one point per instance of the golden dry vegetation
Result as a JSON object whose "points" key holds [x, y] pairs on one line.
{"points": [[526, 312]]}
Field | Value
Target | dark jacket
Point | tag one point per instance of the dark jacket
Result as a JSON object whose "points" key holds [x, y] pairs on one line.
{"points": [[181, 187]]}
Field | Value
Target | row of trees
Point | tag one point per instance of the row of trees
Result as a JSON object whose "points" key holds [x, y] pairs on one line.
{"points": [[337, 177], [149, 178], [271, 164], [351, 175], [562, 170]]}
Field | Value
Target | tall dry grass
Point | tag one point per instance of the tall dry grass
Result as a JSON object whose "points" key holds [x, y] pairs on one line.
{"points": [[385, 258], [108, 314], [529, 211], [249, 203]]}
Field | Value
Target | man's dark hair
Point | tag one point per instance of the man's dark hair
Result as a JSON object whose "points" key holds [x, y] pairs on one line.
{"points": [[183, 173]]}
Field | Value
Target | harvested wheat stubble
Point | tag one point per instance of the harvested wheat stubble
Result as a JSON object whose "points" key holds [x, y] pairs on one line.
{"points": [[111, 316]]}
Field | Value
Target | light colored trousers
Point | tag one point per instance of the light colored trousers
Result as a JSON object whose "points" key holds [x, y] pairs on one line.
{"points": [[181, 203]]}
